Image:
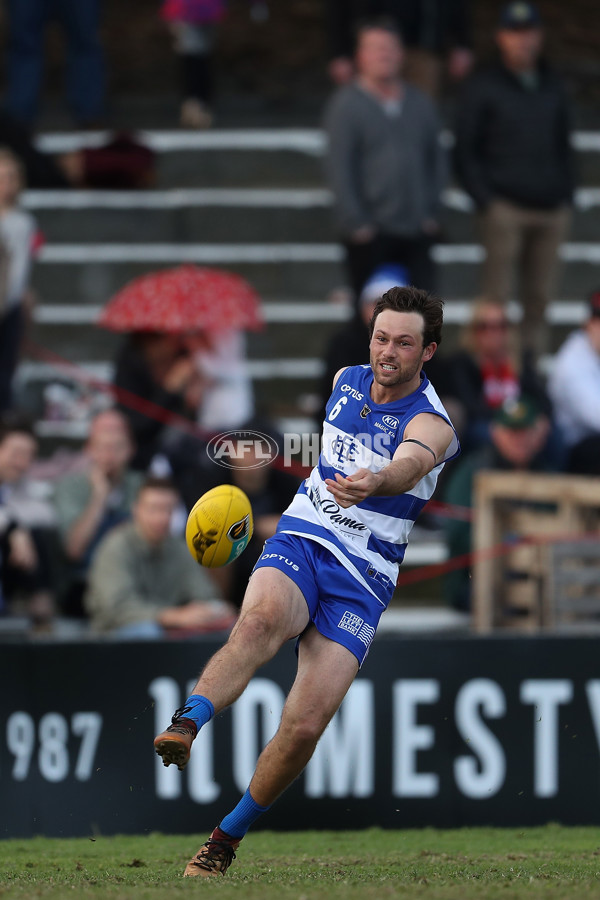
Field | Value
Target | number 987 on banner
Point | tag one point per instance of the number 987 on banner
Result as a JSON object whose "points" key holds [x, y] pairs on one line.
{"points": [[45, 745]]}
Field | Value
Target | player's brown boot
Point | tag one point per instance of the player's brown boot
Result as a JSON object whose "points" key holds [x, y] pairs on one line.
{"points": [[174, 744], [214, 857]]}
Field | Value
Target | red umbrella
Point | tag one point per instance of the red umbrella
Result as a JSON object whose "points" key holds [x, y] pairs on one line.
{"points": [[185, 299]]}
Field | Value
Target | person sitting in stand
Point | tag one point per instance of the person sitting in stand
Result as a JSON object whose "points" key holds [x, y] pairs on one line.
{"points": [[26, 527], [160, 370], [574, 387], [487, 372], [144, 583], [91, 502]]}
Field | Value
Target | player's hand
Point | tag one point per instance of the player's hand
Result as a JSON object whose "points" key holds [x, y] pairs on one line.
{"points": [[350, 490], [99, 483]]}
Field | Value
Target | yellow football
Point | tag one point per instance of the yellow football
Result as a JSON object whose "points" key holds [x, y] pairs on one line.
{"points": [[219, 526]]}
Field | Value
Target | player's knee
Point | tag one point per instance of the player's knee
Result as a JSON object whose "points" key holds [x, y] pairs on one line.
{"points": [[304, 733], [255, 630]]}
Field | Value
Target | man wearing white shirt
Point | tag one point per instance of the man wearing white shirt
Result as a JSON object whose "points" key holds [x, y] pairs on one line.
{"points": [[574, 388]]}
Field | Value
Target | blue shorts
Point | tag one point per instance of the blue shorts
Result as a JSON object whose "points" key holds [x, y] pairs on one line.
{"points": [[340, 608]]}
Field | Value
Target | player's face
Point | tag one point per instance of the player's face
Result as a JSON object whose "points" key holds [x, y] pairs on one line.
{"points": [[396, 351]]}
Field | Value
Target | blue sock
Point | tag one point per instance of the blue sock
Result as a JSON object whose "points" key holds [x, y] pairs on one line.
{"points": [[239, 820], [199, 709]]}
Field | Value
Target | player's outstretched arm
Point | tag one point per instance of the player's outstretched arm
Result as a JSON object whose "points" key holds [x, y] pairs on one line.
{"points": [[425, 442]]}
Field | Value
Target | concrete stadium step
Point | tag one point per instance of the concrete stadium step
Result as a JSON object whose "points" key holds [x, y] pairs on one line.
{"points": [[238, 214], [94, 272], [282, 156], [180, 215], [272, 271], [236, 157]]}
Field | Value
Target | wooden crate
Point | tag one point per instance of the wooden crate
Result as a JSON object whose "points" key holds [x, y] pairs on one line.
{"points": [[511, 585], [574, 585]]}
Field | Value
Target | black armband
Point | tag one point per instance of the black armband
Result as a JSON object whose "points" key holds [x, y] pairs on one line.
{"points": [[421, 444]]}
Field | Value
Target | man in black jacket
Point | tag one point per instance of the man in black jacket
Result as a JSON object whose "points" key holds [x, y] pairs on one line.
{"points": [[430, 29], [513, 156]]}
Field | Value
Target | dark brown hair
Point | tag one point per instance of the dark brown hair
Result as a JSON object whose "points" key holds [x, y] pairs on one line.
{"points": [[412, 299], [377, 23], [14, 423], [156, 483]]}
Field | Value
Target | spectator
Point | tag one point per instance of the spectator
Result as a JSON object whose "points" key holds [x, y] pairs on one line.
{"points": [[513, 157], [42, 170], [160, 369], [227, 399], [430, 30], [85, 75], [350, 345], [144, 582], [120, 162], [487, 372], [519, 434], [18, 233], [91, 502], [574, 387], [193, 25], [385, 163], [26, 523]]}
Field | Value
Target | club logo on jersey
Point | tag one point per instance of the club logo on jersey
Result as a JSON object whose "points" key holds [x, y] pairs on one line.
{"points": [[239, 530], [365, 411]]}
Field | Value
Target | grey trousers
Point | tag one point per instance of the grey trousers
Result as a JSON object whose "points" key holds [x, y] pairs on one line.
{"points": [[522, 261]]}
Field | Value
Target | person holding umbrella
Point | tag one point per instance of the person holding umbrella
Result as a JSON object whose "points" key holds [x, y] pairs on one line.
{"points": [[158, 370], [182, 324]]}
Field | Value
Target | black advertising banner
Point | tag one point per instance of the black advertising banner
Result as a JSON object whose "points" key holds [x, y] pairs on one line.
{"points": [[437, 731]]}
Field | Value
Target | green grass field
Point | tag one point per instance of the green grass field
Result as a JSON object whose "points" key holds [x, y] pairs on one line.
{"points": [[550, 862]]}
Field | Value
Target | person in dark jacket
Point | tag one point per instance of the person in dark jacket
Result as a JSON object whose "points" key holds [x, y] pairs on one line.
{"points": [[431, 30], [513, 157]]}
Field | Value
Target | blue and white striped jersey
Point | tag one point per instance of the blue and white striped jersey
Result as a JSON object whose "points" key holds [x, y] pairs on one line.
{"points": [[369, 538]]}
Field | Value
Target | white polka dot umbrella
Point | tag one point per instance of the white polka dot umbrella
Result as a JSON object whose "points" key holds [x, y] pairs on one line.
{"points": [[186, 299]]}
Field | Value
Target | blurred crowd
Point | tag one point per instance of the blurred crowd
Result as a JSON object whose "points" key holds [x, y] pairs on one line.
{"points": [[98, 538]]}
